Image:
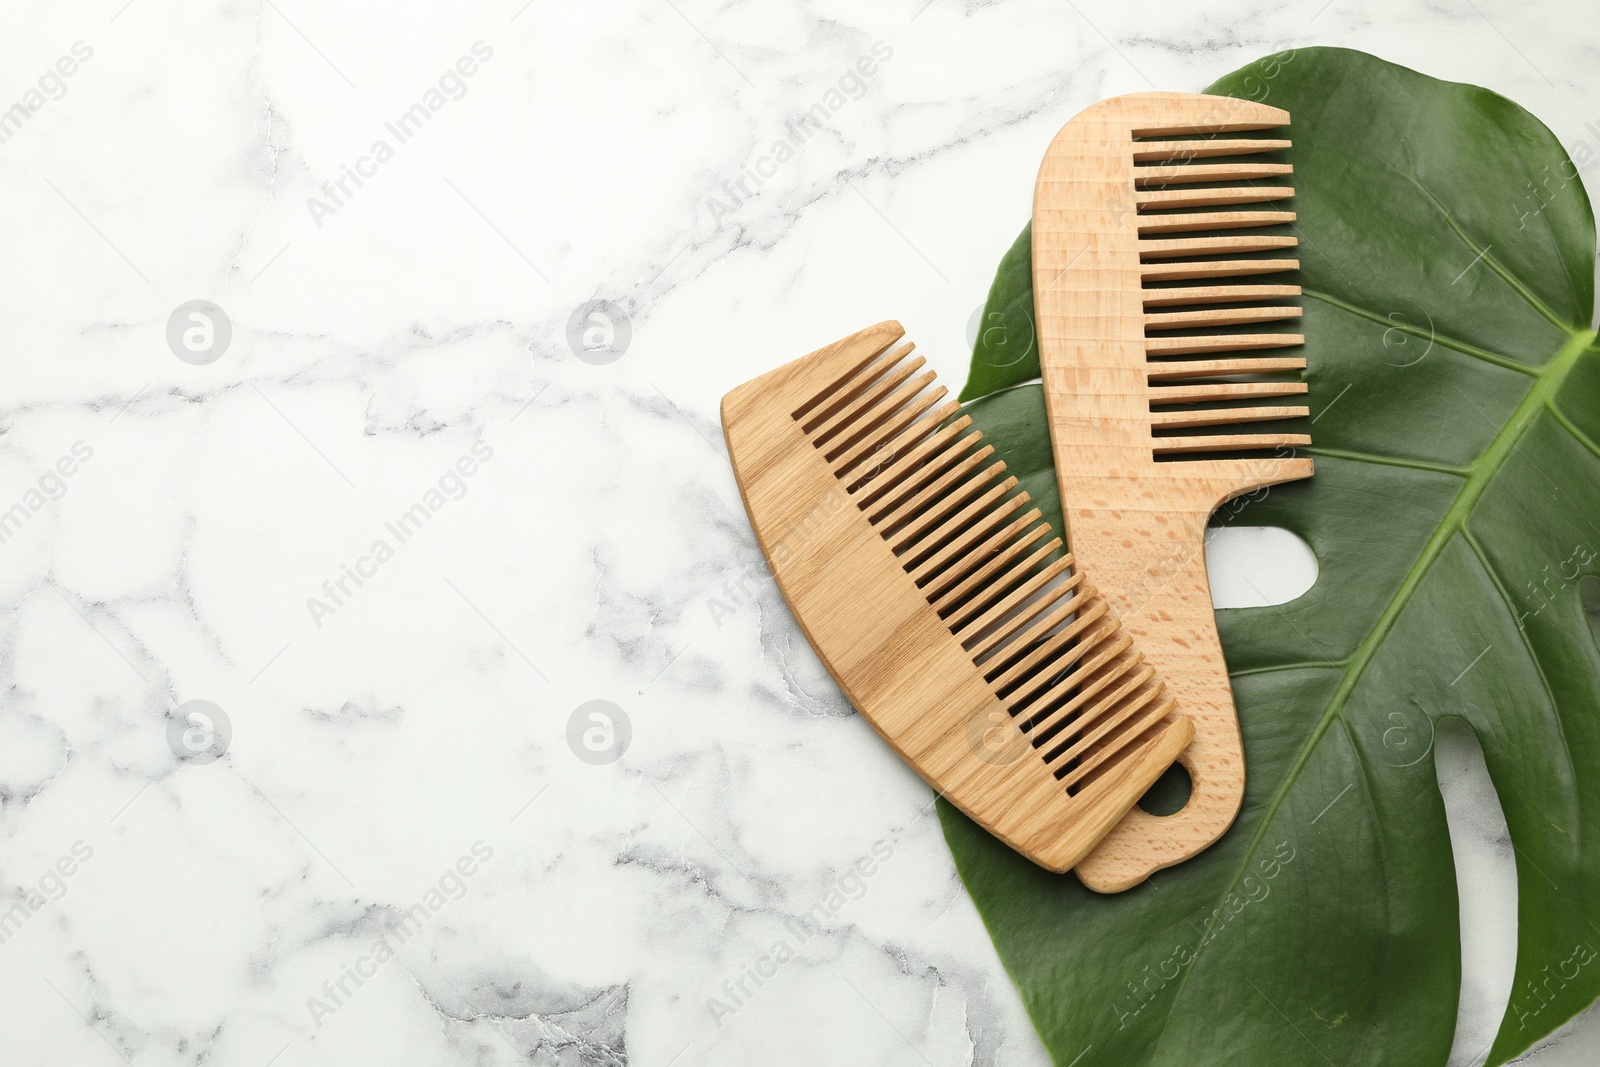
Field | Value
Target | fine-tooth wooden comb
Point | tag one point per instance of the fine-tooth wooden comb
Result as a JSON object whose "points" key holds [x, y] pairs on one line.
{"points": [[1144, 384], [943, 609]]}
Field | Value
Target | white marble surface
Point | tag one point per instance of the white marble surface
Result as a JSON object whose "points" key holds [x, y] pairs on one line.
{"points": [[381, 338]]}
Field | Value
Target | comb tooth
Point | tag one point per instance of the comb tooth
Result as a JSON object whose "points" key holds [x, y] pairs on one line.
{"points": [[930, 439], [1066, 666], [1183, 320], [847, 378], [1025, 652], [1019, 635], [1210, 127], [973, 569], [1237, 248], [1183, 222], [1182, 198], [1211, 368], [863, 402], [1149, 732], [873, 415], [1128, 727], [932, 471], [1230, 442], [1190, 394], [1048, 651], [844, 393], [1146, 730], [1216, 294], [1036, 710], [1127, 735], [1002, 572], [1181, 419], [1101, 715], [1154, 151], [952, 525], [1154, 176], [1212, 246], [1091, 697], [931, 453], [1219, 268], [1083, 681], [900, 443], [886, 432], [925, 569], [942, 507], [1220, 342], [927, 483], [1018, 597]]}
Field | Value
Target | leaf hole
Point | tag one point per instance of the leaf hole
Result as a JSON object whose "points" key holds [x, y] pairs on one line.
{"points": [[1169, 793], [1257, 566], [1486, 880]]}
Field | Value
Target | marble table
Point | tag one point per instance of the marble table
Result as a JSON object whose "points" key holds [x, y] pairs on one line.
{"points": [[390, 676]]}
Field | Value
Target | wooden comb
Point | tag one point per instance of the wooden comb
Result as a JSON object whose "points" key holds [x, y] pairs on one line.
{"points": [[1144, 383], [944, 612], [1144, 389]]}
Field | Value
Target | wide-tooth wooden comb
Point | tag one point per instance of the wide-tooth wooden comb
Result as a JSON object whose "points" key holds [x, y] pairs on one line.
{"points": [[940, 605], [1144, 381]]}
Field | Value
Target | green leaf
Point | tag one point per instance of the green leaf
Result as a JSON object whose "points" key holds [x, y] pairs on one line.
{"points": [[1005, 353], [1447, 252]]}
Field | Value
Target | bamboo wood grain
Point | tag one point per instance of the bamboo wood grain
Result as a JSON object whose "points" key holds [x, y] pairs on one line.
{"points": [[941, 603], [1105, 208]]}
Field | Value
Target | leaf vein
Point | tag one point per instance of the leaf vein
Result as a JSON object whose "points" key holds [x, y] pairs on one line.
{"points": [[1387, 461], [1448, 342], [1304, 665], [1522, 635], [1494, 264], [1566, 424]]}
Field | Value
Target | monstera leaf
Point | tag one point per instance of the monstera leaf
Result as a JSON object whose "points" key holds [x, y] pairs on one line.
{"points": [[1447, 252]]}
